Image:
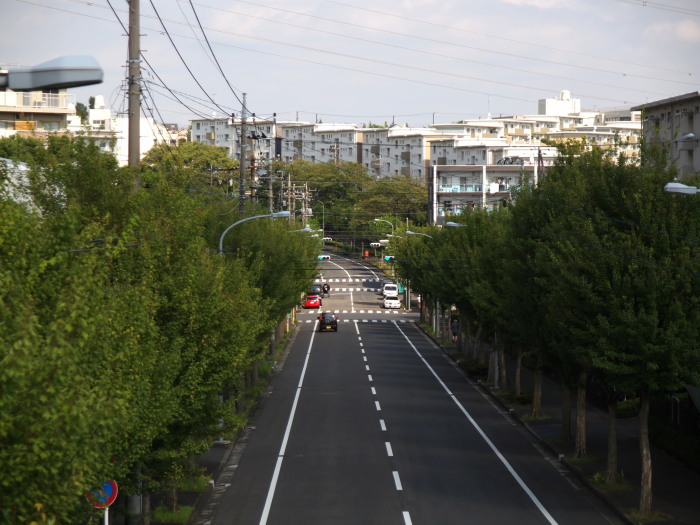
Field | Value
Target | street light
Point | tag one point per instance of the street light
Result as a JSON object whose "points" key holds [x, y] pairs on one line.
{"points": [[60, 73], [388, 222], [451, 224], [274, 215], [677, 187], [409, 232], [323, 216]]}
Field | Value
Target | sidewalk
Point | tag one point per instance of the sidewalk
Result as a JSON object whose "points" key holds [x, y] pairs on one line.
{"points": [[675, 488]]}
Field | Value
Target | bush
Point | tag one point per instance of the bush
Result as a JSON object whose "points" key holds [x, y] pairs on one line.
{"points": [[628, 408], [474, 369]]}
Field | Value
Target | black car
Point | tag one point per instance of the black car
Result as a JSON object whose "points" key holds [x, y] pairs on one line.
{"points": [[327, 321], [317, 289]]}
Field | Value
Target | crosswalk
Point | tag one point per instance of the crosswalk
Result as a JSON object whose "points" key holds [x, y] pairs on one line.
{"points": [[368, 321], [320, 311]]}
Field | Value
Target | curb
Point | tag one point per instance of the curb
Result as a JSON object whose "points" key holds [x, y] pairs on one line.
{"points": [[206, 505], [545, 445]]}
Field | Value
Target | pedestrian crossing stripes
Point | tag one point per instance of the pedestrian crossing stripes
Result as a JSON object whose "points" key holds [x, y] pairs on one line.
{"points": [[404, 321], [345, 280], [314, 312], [337, 290]]}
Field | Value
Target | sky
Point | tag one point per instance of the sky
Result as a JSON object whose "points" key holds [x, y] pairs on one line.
{"points": [[414, 62]]}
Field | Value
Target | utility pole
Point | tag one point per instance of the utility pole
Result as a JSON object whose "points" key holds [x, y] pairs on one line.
{"points": [[270, 165], [242, 165], [134, 87]]}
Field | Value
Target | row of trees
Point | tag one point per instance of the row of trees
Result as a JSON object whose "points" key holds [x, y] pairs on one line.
{"points": [[592, 272], [127, 341], [344, 197]]}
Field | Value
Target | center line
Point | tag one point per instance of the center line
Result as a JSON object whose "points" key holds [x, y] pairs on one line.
{"points": [[397, 481]]}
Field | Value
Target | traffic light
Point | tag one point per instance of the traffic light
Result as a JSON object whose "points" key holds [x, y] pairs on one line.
{"points": [[389, 258]]}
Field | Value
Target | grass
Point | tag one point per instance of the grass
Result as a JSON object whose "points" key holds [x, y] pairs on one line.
{"points": [[621, 484], [195, 484], [654, 517], [182, 515]]}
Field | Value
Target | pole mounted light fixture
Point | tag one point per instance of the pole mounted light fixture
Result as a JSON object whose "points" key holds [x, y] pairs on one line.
{"points": [[274, 215], [409, 232], [59, 73], [388, 222], [677, 187]]}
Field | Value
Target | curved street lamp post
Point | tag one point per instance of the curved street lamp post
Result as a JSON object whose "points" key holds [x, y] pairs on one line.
{"points": [[274, 215]]}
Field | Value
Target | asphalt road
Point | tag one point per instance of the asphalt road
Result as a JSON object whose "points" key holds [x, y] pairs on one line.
{"points": [[374, 425]]}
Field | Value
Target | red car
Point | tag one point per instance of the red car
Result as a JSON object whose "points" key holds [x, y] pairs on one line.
{"points": [[312, 301]]}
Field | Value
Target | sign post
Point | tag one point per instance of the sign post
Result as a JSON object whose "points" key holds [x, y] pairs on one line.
{"points": [[102, 497]]}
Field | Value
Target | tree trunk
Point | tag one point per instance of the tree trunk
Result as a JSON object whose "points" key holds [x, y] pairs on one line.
{"points": [[478, 347], [537, 393], [171, 497], [502, 369], [518, 370], [146, 509], [581, 450], [645, 489], [565, 431], [611, 471]]}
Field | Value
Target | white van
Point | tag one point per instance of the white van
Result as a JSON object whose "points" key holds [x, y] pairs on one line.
{"points": [[390, 290]]}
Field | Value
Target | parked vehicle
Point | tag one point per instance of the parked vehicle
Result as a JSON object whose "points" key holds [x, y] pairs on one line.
{"points": [[327, 321]]}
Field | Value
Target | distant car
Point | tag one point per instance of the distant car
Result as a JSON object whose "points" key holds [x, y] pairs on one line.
{"points": [[392, 302], [313, 301], [316, 289], [390, 290], [327, 239], [327, 321], [324, 257]]}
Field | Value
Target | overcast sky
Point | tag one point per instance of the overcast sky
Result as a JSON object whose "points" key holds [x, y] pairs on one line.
{"points": [[406, 61]]}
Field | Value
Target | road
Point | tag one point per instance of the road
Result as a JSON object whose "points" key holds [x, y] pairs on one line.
{"points": [[375, 425]]}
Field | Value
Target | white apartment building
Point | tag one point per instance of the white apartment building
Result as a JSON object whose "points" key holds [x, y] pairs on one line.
{"points": [[675, 122], [327, 143], [399, 150], [453, 189], [112, 132], [35, 112]]}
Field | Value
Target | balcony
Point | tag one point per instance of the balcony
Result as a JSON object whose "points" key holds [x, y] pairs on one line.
{"points": [[37, 102]]}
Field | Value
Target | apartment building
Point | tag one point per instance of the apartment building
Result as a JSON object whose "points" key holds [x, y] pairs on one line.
{"points": [[400, 150], [452, 189], [111, 133], [327, 143], [35, 113], [675, 122]]}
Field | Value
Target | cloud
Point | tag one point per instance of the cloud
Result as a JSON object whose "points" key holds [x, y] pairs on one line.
{"points": [[685, 30]]}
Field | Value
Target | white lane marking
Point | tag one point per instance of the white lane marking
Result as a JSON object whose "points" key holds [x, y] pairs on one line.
{"points": [[407, 518], [382, 425], [364, 358], [377, 406], [483, 435], [397, 480], [367, 367], [356, 327], [369, 376], [389, 451], [374, 391], [285, 439]]}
